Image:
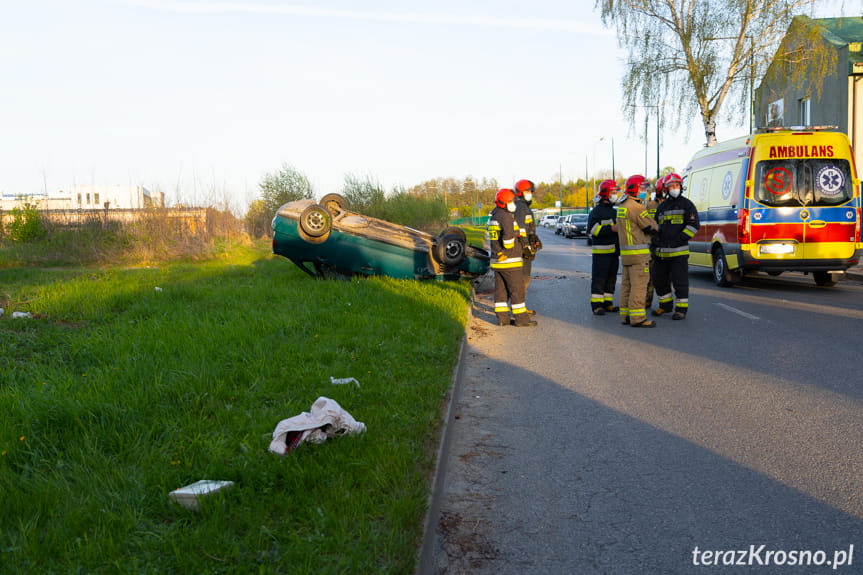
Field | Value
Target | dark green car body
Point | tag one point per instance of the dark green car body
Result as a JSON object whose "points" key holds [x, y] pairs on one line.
{"points": [[331, 238]]}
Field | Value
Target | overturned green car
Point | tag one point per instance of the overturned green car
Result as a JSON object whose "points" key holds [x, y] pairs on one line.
{"points": [[334, 240]]}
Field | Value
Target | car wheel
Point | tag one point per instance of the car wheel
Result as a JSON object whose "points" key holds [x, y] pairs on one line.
{"points": [[450, 249], [334, 203], [824, 279], [774, 273], [315, 224], [454, 230], [722, 276]]}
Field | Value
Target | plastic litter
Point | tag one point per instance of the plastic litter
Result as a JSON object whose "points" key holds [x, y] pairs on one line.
{"points": [[20, 314], [343, 381], [326, 419], [190, 496], [158, 288]]}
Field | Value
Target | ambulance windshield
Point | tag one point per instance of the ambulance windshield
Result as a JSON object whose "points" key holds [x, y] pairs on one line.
{"points": [[798, 182]]}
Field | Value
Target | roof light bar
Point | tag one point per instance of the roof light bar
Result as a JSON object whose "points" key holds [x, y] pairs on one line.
{"points": [[766, 129]]}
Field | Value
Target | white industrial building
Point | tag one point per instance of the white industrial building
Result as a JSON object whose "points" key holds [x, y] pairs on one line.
{"points": [[90, 198]]}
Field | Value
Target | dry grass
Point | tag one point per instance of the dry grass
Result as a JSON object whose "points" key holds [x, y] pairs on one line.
{"points": [[142, 237]]}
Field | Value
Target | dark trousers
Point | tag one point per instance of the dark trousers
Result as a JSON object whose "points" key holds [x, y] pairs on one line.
{"points": [[526, 264], [509, 285], [668, 272], [603, 280]]}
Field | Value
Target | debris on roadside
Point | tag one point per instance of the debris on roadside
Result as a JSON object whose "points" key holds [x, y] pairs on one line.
{"points": [[20, 314], [343, 381], [190, 496], [325, 420]]}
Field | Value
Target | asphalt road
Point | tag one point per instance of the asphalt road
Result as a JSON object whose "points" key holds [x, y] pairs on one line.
{"points": [[585, 446]]}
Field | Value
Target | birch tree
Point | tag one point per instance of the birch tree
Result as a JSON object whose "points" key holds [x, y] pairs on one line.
{"points": [[695, 56]]}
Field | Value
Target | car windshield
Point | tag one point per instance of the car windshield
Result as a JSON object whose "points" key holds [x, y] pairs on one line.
{"points": [[796, 182]]}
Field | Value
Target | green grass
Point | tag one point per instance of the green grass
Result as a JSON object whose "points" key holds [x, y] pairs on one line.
{"points": [[114, 394], [475, 235]]}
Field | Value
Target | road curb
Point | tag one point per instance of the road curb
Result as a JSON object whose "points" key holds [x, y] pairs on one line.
{"points": [[854, 274], [426, 562]]}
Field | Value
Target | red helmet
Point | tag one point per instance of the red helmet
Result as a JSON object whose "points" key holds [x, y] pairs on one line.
{"points": [[673, 178], [606, 187], [503, 197], [523, 186], [660, 185], [633, 184]]}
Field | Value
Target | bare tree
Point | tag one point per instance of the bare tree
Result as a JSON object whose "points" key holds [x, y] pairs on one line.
{"points": [[696, 54]]}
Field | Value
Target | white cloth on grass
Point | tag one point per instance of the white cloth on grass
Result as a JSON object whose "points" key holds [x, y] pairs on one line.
{"points": [[326, 419]]}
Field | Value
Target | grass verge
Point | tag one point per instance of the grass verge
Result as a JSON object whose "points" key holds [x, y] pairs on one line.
{"points": [[113, 394]]}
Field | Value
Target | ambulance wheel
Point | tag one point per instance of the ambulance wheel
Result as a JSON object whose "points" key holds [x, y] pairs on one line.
{"points": [[774, 273], [722, 276], [824, 279]]}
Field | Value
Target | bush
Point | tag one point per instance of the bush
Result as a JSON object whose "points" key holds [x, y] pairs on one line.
{"points": [[26, 225]]}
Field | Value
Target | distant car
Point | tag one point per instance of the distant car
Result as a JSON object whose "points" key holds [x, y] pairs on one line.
{"points": [[337, 241], [548, 221], [558, 226], [575, 225]]}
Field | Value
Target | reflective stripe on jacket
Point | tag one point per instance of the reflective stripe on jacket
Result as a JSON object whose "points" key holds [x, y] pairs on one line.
{"points": [[599, 223], [503, 231], [632, 220], [678, 223]]}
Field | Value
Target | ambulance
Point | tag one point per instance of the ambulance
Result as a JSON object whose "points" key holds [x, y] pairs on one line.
{"points": [[779, 200]]}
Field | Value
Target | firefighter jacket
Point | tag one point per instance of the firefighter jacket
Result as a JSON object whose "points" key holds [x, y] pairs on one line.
{"points": [[678, 222], [503, 233], [650, 205], [524, 216], [599, 222], [527, 229], [633, 225]]}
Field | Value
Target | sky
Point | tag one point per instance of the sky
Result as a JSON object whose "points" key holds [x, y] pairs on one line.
{"points": [[200, 99]]}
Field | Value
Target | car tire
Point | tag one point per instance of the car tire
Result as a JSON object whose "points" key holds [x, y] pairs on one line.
{"points": [[334, 203], [450, 249], [315, 224], [722, 276]]}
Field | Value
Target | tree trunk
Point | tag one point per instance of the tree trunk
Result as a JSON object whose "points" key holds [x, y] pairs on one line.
{"points": [[710, 131]]}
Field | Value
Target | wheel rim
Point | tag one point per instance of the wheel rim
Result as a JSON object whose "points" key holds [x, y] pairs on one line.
{"points": [[719, 267], [454, 249], [316, 222]]}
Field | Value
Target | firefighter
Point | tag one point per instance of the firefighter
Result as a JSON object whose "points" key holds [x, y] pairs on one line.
{"points": [[678, 222], [503, 231], [606, 249], [634, 228], [527, 226]]}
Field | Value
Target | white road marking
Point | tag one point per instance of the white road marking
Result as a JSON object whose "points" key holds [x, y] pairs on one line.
{"points": [[737, 311]]}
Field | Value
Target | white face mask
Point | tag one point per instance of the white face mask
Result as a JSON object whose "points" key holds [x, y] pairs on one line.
{"points": [[528, 197], [613, 198], [674, 192], [510, 207]]}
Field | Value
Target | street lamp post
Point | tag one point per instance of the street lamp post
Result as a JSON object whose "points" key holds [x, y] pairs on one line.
{"points": [[601, 138], [646, 119]]}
